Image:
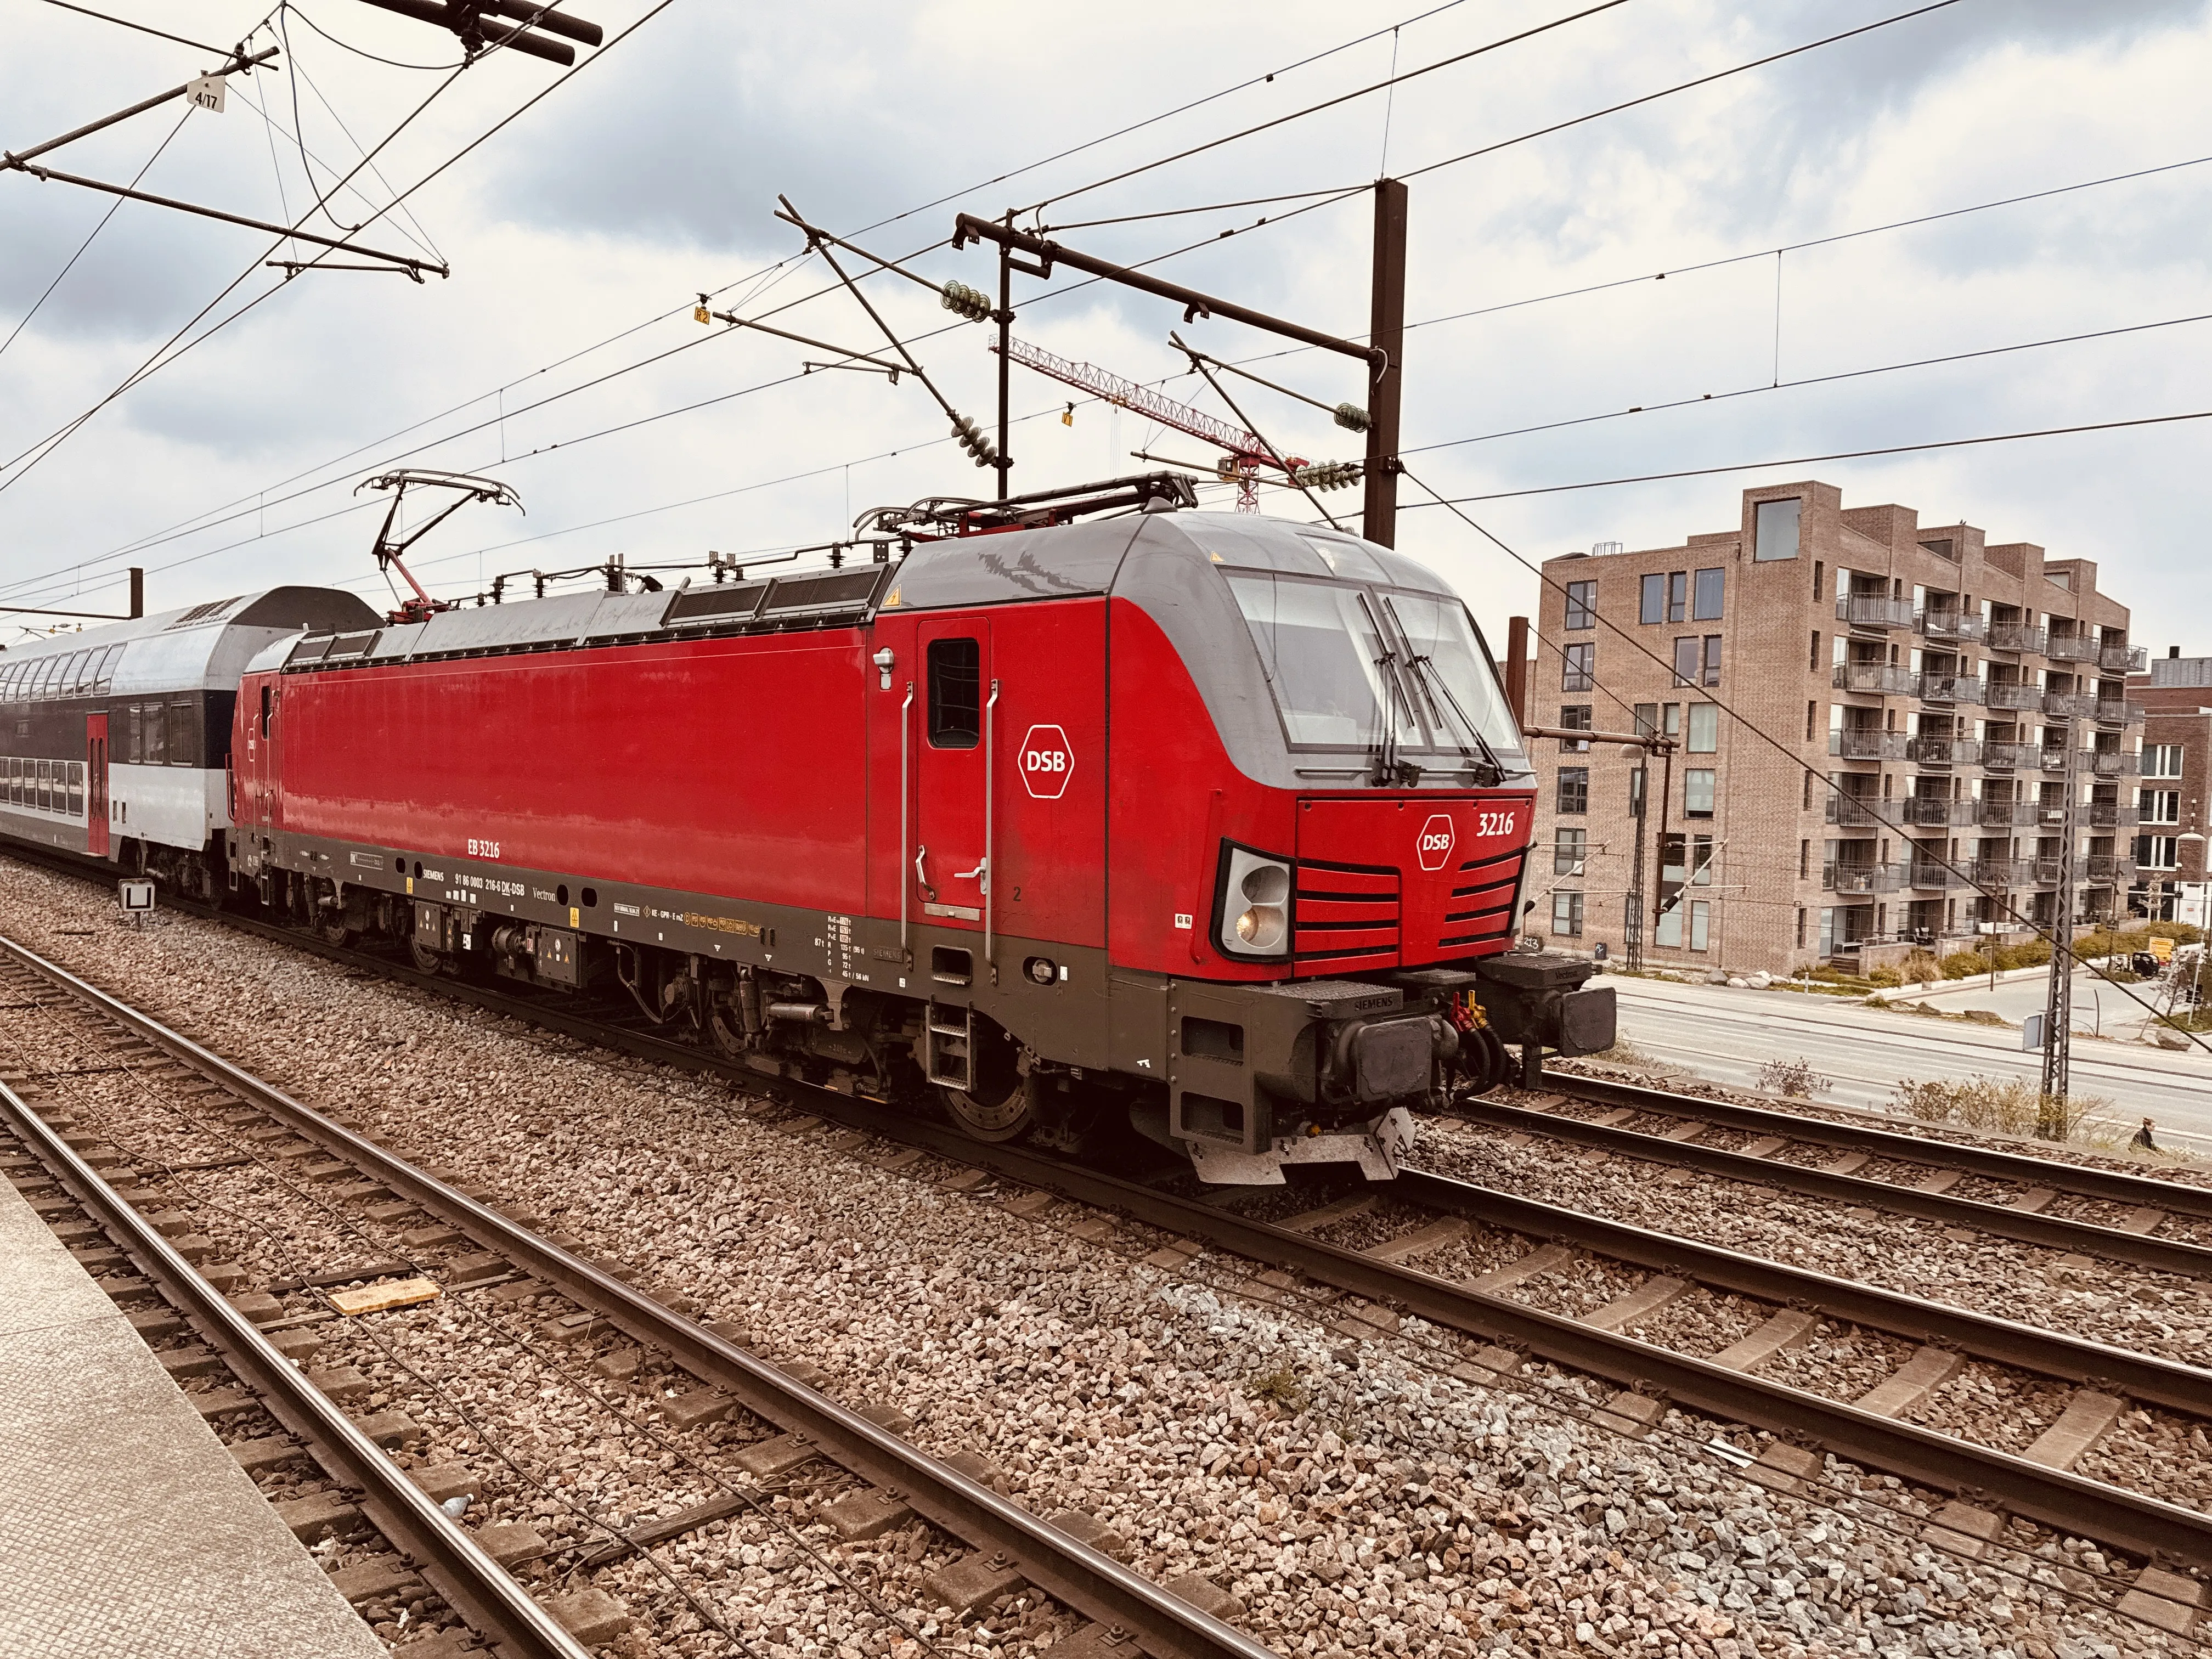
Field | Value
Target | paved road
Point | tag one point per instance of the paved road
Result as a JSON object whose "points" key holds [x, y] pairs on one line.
{"points": [[1726, 1035]]}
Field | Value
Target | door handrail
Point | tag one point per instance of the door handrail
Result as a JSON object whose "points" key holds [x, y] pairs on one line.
{"points": [[906, 726], [990, 732]]}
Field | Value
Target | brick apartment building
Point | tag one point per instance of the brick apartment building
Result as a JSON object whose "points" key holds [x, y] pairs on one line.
{"points": [[1903, 700], [2172, 801]]}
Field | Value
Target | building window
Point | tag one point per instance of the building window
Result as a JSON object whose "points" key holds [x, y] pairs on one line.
{"points": [[1647, 719], [1818, 576], [1582, 605], [1669, 932], [1697, 793], [1574, 789], [1701, 925], [1701, 860], [1575, 717], [1688, 652], [2161, 760], [1801, 926], [1580, 672], [1704, 728], [1568, 851], [2158, 805], [1827, 932], [1567, 914], [1678, 594], [1812, 661], [2158, 852], [1774, 526], [1712, 659], [1706, 596], [1652, 603], [1636, 776], [1804, 873], [1671, 722]]}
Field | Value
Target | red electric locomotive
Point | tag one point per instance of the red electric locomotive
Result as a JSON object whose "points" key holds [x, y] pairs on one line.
{"points": [[1215, 820]]}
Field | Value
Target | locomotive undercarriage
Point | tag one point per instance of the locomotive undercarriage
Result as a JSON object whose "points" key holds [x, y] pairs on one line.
{"points": [[1251, 1078]]}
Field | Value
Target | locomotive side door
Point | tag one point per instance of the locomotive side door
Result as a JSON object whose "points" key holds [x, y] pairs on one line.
{"points": [[947, 861], [95, 785], [261, 755]]}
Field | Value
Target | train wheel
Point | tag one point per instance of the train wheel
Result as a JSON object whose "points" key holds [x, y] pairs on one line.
{"points": [[426, 961], [335, 932], [1008, 1115]]}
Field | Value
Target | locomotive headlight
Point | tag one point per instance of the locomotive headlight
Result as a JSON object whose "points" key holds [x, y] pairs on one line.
{"points": [[1254, 913]]}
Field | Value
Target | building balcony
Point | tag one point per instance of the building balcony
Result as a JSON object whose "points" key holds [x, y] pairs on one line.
{"points": [[1846, 879], [2107, 867], [1875, 611], [2016, 636], [1950, 688], [1952, 625], [2096, 907], [2110, 815], [2116, 711], [2111, 762], [2123, 658], [1869, 745], [2070, 705], [2051, 760], [2013, 694], [1849, 812], [2006, 757], [1931, 750], [2070, 647], [1929, 876], [2000, 872], [2005, 814], [1874, 678], [1936, 811]]}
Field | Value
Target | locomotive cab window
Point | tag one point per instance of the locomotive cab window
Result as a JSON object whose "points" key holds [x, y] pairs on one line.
{"points": [[956, 693]]}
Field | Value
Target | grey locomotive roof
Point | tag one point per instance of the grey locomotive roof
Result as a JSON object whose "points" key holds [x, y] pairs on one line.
{"points": [[199, 647], [1064, 562]]}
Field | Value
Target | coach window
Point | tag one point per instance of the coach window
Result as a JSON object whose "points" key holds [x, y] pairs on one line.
{"points": [[129, 747], [956, 693], [156, 735], [184, 735], [267, 703]]}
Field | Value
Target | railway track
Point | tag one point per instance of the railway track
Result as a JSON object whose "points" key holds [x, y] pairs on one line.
{"points": [[169, 1296], [1010, 1546], [2033, 1487], [1878, 1169]]}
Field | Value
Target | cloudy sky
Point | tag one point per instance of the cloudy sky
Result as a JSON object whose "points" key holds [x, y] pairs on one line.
{"points": [[561, 354]]}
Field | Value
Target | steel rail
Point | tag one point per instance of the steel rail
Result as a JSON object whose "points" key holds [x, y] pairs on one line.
{"points": [[2053, 1232], [2180, 1197], [2006, 1341], [2068, 1503], [436, 1545], [1094, 1584]]}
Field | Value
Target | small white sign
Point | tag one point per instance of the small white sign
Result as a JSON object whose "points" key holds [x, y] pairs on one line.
{"points": [[206, 94], [137, 894]]}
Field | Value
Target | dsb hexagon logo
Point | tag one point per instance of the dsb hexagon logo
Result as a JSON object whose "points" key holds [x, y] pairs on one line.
{"points": [[1048, 759], [1435, 842]]}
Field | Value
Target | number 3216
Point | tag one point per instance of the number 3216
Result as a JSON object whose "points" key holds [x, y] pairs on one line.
{"points": [[1493, 823]]}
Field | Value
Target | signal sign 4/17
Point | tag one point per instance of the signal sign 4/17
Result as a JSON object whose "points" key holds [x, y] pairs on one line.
{"points": [[1435, 843], [1047, 761]]}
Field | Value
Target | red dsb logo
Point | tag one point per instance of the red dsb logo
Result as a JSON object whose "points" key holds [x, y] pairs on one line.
{"points": [[1434, 844], [1047, 760]]}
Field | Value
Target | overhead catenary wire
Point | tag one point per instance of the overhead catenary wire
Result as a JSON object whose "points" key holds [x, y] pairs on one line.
{"points": [[1836, 455], [113, 207], [1821, 779], [1061, 154], [1809, 380], [125, 22], [153, 365], [1503, 41]]}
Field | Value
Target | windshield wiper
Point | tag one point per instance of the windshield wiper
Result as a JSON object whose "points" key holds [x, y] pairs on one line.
{"points": [[1434, 677], [1389, 771]]}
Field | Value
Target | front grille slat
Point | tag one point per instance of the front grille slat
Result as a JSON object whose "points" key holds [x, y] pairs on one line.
{"points": [[1346, 917]]}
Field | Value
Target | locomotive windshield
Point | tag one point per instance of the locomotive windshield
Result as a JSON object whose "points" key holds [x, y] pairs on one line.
{"points": [[1368, 668]]}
